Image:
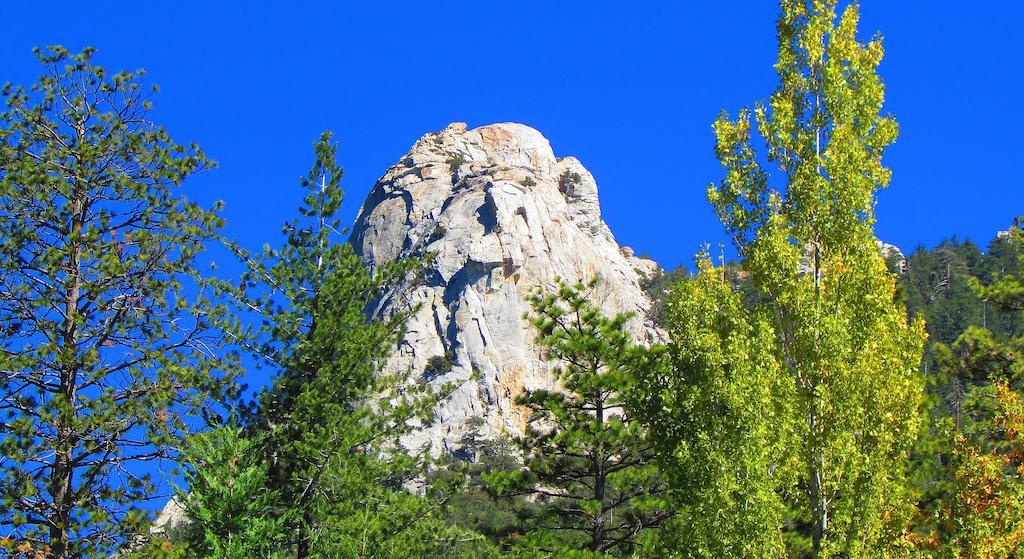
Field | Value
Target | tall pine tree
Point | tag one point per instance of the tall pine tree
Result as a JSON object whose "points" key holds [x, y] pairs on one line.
{"points": [[589, 464], [108, 342], [328, 426]]}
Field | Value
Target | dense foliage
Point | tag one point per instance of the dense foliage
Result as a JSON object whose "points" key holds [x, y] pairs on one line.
{"points": [[970, 464], [587, 462], [812, 399], [109, 338], [814, 386]]}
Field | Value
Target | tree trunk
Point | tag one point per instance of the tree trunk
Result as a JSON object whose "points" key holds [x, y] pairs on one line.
{"points": [[818, 499], [61, 470], [302, 549], [597, 536], [819, 520]]}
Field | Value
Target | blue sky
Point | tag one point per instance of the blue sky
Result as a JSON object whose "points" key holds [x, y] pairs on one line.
{"points": [[629, 88]]}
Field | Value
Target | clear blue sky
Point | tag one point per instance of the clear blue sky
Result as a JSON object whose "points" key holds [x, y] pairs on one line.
{"points": [[630, 88]]}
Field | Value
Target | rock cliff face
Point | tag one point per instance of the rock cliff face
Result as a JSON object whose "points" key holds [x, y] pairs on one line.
{"points": [[503, 216]]}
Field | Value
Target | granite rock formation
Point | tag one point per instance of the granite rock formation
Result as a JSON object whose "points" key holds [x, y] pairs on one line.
{"points": [[502, 216]]}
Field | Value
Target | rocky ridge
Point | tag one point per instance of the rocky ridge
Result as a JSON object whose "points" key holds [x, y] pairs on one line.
{"points": [[503, 216]]}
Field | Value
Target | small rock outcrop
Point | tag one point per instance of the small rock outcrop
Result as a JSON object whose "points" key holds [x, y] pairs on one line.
{"points": [[503, 216], [1018, 224], [893, 256]]}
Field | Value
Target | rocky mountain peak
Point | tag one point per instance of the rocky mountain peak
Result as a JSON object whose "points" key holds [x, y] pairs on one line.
{"points": [[502, 215]]}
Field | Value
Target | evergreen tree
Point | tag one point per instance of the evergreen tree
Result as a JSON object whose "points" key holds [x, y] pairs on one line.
{"points": [[328, 426], [233, 512], [967, 341], [587, 461], [108, 342], [1007, 289], [980, 506], [837, 330], [939, 285]]}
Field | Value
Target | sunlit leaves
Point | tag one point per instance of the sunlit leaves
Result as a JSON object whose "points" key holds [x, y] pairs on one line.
{"points": [[825, 319]]}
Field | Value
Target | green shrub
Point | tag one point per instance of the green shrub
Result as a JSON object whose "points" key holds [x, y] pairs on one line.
{"points": [[567, 180], [455, 162], [439, 365]]}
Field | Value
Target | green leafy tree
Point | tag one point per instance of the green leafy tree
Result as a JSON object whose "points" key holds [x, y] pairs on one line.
{"points": [[108, 341], [586, 460], [837, 329], [724, 411]]}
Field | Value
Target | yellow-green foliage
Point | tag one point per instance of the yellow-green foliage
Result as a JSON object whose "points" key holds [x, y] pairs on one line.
{"points": [[826, 320]]}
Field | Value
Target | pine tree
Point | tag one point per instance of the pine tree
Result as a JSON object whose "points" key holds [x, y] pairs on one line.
{"points": [[587, 461], [838, 332], [233, 513], [980, 514], [108, 341], [1007, 290], [330, 422]]}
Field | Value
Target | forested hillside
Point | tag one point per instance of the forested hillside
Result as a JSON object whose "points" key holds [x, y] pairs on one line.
{"points": [[939, 284]]}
